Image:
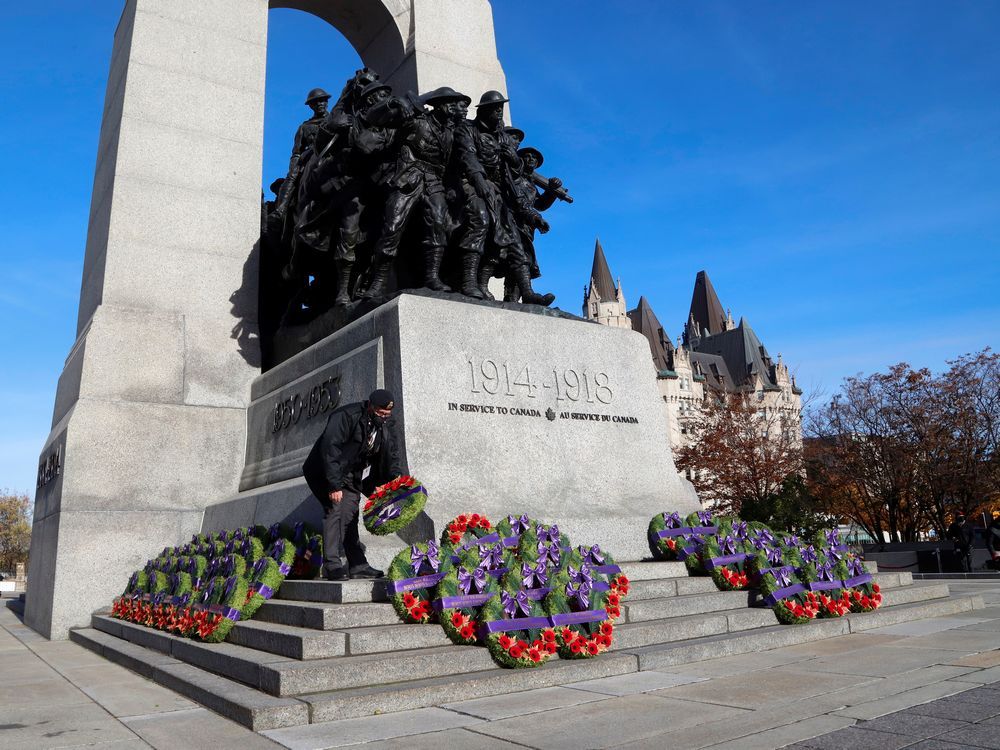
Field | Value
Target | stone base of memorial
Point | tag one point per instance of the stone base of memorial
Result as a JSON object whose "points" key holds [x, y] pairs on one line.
{"points": [[499, 409]]}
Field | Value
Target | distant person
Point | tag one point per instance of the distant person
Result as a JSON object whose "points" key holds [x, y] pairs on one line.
{"points": [[357, 451], [993, 540], [961, 533]]}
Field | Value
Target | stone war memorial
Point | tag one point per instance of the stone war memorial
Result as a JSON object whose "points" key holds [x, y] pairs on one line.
{"points": [[232, 343], [205, 367]]}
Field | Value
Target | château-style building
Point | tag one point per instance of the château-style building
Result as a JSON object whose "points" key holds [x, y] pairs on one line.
{"points": [[714, 354]]}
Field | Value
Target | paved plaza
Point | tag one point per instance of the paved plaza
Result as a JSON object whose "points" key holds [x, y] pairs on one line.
{"points": [[892, 687]]}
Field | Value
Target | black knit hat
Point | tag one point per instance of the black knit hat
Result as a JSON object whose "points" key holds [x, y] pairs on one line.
{"points": [[381, 399]]}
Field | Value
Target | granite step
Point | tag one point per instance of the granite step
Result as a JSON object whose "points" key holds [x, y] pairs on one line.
{"points": [[434, 691], [289, 678], [288, 640], [670, 654], [647, 570], [334, 592], [678, 606], [244, 705], [229, 660], [320, 616]]}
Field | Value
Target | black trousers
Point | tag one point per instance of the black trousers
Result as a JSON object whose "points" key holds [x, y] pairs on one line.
{"points": [[341, 541]]}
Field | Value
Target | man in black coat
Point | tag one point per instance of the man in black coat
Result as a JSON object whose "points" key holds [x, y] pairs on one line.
{"points": [[962, 534], [357, 451]]}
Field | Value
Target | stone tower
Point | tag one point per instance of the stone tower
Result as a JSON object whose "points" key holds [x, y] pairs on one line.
{"points": [[603, 300]]}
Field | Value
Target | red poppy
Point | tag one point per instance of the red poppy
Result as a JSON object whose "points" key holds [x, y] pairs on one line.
{"points": [[535, 655], [516, 651], [409, 599], [551, 647], [607, 628], [458, 619], [576, 646], [505, 641], [467, 632], [567, 634], [592, 648], [548, 635]]}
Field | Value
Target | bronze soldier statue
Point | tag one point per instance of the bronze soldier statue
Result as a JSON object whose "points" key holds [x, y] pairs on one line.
{"points": [[305, 137], [528, 205], [425, 146], [487, 156]]}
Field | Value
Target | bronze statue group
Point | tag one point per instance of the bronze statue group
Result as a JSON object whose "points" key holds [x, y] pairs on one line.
{"points": [[385, 192]]}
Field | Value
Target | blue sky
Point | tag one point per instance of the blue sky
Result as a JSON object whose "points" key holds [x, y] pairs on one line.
{"points": [[835, 167]]}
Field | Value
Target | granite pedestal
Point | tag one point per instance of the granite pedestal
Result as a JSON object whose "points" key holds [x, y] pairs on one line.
{"points": [[500, 411]]}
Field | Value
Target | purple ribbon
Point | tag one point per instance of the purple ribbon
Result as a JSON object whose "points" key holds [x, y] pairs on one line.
{"points": [[782, 576], [608, 569], [857, 580], [382, 507], [230, 587], [534, 577], [260, 566], [581, 593], [672, 520], [519, 525], [727, 545], [740, 529], [832, 538], [461, 602], [228, 612], [548, 553], [284, 568], [591, 555], [808, 554], [523, 623], [511, 604], [263, 591], [773, 555], [491, 555], [466, 580], [274, 532], [278, 550], [834, 553], [430, 557], [718, 562], [791, 541], [412, 584], [796, 588], [579, 618], [497, 572], [581, 576], [688, 531], [705, 518], [511, 541], [550, 534], [180, 601], [824, 572], [537, 594], [825, 585], [856, 567]]}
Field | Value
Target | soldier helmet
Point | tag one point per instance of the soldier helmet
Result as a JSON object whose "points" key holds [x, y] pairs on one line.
{"points": [[372, 87], [491, 98], [444, 94], [276, 185], [316, 95], [539, 159], [516, 133]]}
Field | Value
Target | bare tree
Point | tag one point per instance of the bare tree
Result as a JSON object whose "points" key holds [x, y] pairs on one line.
{"points": [[742, 452]]}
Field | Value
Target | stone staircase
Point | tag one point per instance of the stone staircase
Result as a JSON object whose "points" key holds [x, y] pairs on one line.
{"points": [[335, 650]]}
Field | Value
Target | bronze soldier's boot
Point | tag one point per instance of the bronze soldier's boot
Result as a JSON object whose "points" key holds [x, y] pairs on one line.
{"points": [[522, 274], [470, 263], [343, 284], [486, 269], [380, 277], [510, 291], [432, 270]]}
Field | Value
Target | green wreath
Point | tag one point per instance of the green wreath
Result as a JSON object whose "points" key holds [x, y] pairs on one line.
{"points": [[393, 506], [413, 577], [264, 579], [541, 541], [460, 596], [465, 529], [692, 553], [219, 608], [511, 527], [581, 614], [515, 628], [665, 547]]}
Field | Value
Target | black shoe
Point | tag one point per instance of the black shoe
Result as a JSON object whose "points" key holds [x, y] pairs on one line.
{"points": [[366, 571], [337, 574]]}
